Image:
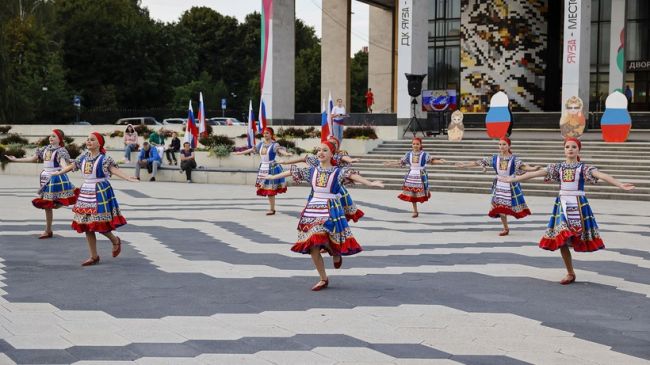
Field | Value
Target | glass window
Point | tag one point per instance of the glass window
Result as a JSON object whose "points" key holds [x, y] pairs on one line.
{"points": [[453, 28], [638, 9], [593, 49], [453, 8], [605, 10], [603, 51], [594, 9]]}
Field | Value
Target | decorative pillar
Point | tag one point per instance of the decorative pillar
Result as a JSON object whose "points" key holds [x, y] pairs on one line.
{"points": [[617, 47], [335, 50], [380, 59], [277, 74], [412, 52], [575, 57]]}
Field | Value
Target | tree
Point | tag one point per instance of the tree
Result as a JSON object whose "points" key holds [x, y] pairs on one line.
{"points": [[359, 82]]}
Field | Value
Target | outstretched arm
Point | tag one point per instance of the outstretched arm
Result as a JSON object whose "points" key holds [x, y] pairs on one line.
{"points": [[349, 159], [117, 172], [524, 177], [393, 163], [284, 152], [64, 170], [362, 180], [613, 181], [244, 152], [276, 176], [294, 161], [526, 167], [33, 158], [467, 164], [437, 161]]}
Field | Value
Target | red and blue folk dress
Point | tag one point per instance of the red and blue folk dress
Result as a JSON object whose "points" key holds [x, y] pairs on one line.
{"points": [[96, 209], [352, 213], [416, 181], [55, 191], [322, 223], [266, 187], [507, 198], [572, 221]]}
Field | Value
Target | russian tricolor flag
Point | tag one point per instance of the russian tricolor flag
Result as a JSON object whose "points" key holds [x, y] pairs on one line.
{"points": [[616, 122], [330, 106], [262, 114], [191, 131], [250, 130], [201, 117], [324, 126], [497, 120]]}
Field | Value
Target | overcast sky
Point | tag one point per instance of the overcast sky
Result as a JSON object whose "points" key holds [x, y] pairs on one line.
{"points": [[307, 10]]}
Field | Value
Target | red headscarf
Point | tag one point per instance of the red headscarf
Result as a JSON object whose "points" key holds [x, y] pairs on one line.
{"points": [[577, 141], [270, 130], [100, 139], [417, 139], [336, 143], [507, 140], [59, 133], [332, 148]]}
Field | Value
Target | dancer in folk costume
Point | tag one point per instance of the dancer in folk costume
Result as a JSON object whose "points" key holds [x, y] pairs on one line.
{"points": [[416, 181], [340, 159], [572, 222], [97, 209], [322, 224], [55, 191], [507, 198], [268, 149]]}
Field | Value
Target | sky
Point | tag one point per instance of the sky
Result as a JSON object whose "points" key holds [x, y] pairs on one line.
{"points": [[307, 10]]}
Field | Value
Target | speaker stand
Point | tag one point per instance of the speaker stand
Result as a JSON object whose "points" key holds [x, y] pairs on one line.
{"points": [[414, 124]]}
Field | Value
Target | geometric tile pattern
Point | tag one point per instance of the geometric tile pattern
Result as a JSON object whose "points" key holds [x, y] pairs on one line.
{"points": [[206, 278], [503, 48]]}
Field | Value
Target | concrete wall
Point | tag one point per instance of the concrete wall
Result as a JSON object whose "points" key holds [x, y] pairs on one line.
{"points": [[380, 59], [335, 50]]}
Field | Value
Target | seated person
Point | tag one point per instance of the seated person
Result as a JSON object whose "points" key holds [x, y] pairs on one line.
{"points": [[157, 139], [173, 147], [187, 161], [149, 158], [130, 142]]}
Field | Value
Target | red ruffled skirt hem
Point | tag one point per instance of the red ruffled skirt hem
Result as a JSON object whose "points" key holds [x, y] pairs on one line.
{"points": [[100, 227], [414, 199], [578, 244], [267, 192], [321, 240], [41, 203], [496, 211], [355, 217]]}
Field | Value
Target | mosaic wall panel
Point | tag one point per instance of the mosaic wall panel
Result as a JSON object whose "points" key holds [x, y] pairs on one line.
{"points": [[503, 47]]}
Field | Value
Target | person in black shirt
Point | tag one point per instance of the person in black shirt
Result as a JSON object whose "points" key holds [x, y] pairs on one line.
{"points": [[187, 161], [174, 147]]}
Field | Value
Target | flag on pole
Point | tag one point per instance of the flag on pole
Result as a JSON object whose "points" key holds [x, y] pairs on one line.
{"points": [[262, 115], [324, 126], [191, 131], [330, 106], [201, 117], [250, 131]]}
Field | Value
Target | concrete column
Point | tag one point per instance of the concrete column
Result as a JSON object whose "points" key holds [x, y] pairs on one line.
{"points": [[380, 59], [278, 59], [412, 52], [575, 57], [335, 50], [617, 47]]}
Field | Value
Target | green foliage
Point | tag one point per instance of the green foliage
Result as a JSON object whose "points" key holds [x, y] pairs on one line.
{"points": [[220, 150], [5, 129], [218, 140], [365, 132], [11, 150], [290, 146], [358, 82], [117, 133], [293, 132], [143, 130], [14, 138]]}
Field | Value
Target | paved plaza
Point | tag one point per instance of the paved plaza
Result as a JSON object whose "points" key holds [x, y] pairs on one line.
{"points": [[205, 277]]}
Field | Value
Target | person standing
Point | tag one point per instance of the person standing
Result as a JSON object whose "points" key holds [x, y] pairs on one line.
{"points": [[188, 162], [628, 94], [56, 191], [338, 119], [149, 158], [507, 198], [370, 100], [572, 221], [96, 209]]}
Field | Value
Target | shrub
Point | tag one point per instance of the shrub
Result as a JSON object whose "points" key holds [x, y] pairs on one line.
{"points": [[14, 138], [213, 141], [220, 150], [143, 130], [290, 146], [292, 132], [239, 149], [312, 132], [365, 132], [46, 140], [12, 150], [117, 133], [5, 129]]}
